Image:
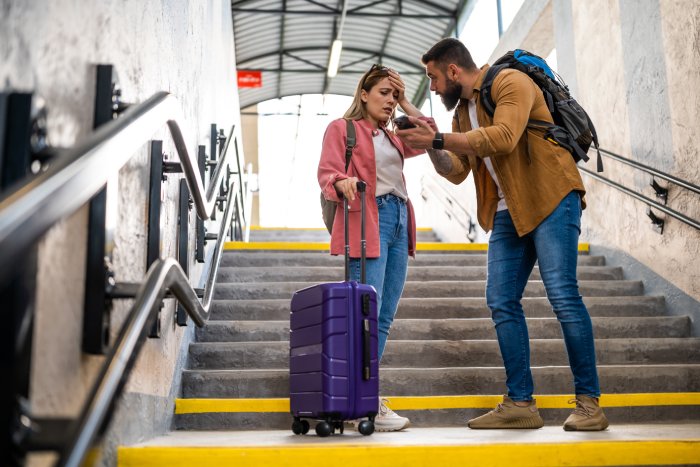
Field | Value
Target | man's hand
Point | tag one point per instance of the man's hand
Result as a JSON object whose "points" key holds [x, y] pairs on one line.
{"points": [[420, 137], [347, 187]]}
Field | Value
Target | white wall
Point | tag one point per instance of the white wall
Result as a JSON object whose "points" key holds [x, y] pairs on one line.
{"points": [[50, 48]]}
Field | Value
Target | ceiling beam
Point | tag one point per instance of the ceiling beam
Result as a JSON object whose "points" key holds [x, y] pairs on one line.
{"points": [[244, 64]]}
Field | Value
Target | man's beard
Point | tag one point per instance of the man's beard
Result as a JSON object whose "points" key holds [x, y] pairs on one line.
{"points": [[452, 94]]}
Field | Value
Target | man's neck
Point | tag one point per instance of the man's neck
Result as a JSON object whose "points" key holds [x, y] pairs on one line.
{"points": [[469, 82]]}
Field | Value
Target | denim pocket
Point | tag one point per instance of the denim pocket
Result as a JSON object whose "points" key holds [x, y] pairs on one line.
{"points": [[380, 201]]}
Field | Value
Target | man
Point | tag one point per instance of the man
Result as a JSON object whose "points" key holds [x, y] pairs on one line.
{"points": [[530, 195]]}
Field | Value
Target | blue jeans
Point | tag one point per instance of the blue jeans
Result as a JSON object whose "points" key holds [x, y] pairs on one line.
{"points": [[387, 273], [554, 244]]}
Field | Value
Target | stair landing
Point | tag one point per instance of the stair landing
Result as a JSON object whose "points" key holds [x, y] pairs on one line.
{"points": [[677, 444]]}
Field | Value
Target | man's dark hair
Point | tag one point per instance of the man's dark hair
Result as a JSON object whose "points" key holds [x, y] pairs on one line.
{"points": [[449, 50]]}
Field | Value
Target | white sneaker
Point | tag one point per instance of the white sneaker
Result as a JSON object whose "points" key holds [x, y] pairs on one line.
{"points": [[388, 420]]}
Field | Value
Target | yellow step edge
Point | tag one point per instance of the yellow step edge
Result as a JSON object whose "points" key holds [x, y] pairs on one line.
{"points": [[319, 229], [549, 401], [589, 453], [324, 246]]}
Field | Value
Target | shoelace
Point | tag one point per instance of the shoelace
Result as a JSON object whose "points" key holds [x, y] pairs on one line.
{"points": [[384, 408], [580, 409]]}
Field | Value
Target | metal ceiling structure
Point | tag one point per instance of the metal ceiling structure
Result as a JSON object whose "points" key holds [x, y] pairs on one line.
{"points": [[289, 41]]}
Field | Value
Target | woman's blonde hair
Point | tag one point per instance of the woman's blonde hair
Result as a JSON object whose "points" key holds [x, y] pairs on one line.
{"points": [[358, 109]]}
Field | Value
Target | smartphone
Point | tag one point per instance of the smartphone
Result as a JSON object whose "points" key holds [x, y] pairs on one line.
{"points": [[402, 123]]}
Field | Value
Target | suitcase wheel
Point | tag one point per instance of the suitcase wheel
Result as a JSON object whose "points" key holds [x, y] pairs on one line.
{"points": [[300, 427], [365, 427], [324, 429]]}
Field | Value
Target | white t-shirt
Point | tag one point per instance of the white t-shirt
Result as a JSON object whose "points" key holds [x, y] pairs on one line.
{"points": [[487, 160], [389, 166]]}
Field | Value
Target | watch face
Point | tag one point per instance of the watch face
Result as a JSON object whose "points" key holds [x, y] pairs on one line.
{"points": [[438, 142]]}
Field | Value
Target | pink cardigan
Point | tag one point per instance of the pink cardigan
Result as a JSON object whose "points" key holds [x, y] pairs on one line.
{"points": [[331, 168]]}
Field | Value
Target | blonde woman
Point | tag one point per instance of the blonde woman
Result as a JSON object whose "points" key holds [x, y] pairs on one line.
{"points": [[377, 159]]}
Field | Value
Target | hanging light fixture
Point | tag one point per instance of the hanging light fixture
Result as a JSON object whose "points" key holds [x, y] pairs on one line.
{"points": [[337, 47], [334, 59]]}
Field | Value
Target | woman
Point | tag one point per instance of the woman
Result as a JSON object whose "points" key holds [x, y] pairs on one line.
{"points": [[377, 160]]}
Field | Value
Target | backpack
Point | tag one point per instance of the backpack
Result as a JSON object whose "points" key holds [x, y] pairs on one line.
{"points": [[572, 128], [328, 208]]}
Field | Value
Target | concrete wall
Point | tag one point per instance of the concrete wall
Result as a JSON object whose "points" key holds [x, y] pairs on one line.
{"points": [[50, 48], [642, 94]]}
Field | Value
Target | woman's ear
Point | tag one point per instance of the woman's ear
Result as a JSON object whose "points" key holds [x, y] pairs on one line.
{"points": [[363, 96]]}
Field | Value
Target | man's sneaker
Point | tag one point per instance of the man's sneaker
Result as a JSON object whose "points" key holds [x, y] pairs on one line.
{"points": [[388, 420], [508, 415], [587, 415]]}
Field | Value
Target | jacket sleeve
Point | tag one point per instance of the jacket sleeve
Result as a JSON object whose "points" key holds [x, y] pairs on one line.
{"points": [[514, 94], [331, 166]]}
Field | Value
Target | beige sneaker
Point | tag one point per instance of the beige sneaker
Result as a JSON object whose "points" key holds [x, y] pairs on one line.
{"points": [[587, 415], [388, 420], [509, 415]]}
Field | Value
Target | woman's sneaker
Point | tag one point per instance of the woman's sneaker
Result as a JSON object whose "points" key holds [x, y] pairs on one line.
{"points": [[587, 415], [508, 415], [388, 420]]}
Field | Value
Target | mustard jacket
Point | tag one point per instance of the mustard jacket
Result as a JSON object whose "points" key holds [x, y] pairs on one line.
{"points": [[535, 174]]}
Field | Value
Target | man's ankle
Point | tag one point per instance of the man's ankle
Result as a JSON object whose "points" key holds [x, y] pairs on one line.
{"points": [[523, 403]]}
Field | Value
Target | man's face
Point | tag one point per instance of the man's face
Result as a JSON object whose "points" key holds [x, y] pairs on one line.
{"points": [[449, 90]]}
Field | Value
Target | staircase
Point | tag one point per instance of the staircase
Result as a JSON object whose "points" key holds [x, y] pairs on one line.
{"points": [[442, 364]]}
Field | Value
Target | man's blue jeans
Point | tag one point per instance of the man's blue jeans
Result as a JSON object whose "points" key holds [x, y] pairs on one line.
{"points": [[387, 273], [554, 245]]}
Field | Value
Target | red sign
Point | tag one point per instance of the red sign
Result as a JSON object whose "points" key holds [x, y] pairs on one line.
{"points": [[249, 79]]}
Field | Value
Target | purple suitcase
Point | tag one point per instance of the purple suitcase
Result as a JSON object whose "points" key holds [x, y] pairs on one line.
{"points": [[333, 344]]}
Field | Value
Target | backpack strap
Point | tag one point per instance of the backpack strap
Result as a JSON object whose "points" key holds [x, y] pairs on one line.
{"points": [[349, 143], [486, 84]]}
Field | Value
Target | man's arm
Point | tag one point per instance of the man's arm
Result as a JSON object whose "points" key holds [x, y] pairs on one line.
{"points": [[423, 135], [441, 161]]}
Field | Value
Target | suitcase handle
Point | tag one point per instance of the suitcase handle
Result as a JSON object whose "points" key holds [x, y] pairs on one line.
{"points": [[366, 358], [361, 186]]}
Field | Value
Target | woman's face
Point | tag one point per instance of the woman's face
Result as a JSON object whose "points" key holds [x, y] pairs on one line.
{"points": [[380, 101]]}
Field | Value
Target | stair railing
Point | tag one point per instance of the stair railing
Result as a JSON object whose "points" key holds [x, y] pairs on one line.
{"points": [[75, 175], [454, 208], [661, 192], [165, 275]]}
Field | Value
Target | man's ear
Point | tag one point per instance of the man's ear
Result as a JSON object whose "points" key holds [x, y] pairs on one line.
{"points": [[453, 71]]}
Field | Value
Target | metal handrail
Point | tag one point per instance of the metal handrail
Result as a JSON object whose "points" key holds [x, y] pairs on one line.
{"points": [[76, 175], [80, 172], [163, 275], [453, 203], [652, 171], [671, 212]]}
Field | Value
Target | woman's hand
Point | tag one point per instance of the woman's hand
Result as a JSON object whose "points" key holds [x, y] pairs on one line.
{"points": [[398, 84], [347, 187]]}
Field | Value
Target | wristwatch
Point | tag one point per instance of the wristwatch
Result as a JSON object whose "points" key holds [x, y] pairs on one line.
{"points": [[438, 141]]}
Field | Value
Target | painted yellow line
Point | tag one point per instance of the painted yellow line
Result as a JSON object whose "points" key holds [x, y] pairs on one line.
{"points": [[317, 229], [324, 246], [594, 453], [548, 401]]}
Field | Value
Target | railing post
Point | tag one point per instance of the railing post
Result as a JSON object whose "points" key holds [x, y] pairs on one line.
{"points": [[97, 306], [17, 295], [201, 231], [154, 205], [183, 242]]}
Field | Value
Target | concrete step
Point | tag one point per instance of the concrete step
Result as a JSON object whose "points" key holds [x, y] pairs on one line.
{"points": [[447, 307], [456, 329], [678, 414], [268, 290], [660, 444], [423, 273], [614, 379], [322, 258], [443, 353]]}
